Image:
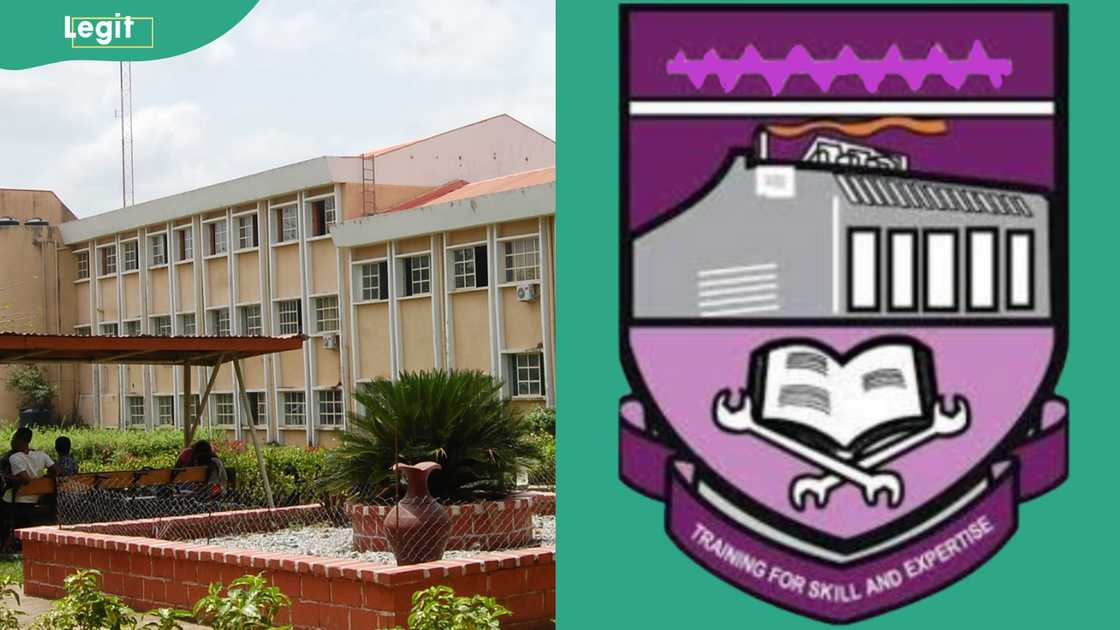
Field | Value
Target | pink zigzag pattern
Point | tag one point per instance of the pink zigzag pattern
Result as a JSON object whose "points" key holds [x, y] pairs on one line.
{"points": [[776, 72]]}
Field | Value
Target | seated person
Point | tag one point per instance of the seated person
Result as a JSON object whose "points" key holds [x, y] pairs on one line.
{"points": [[202, 454], [67, 465], [25, 434], [26, 465]]}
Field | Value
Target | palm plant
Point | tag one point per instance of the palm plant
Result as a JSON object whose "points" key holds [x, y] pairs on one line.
{"points": [[455, 418]]}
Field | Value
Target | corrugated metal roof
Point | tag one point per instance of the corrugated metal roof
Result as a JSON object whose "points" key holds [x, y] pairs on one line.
{"points": [[16, 347], [524, 179]]}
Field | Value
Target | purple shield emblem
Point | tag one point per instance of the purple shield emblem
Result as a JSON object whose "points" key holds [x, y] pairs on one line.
{"points": [[844, 293]]}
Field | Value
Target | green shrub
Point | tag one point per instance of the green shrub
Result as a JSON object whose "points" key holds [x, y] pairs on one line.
{"points": [[166, 619], [455, 418], [438, 608], [543, 473], [28, 382], [543, 420], [9, 619], [85, 607], [249, 604]]}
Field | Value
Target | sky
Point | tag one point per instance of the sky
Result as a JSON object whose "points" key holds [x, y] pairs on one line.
{"points": [[293, 80]]}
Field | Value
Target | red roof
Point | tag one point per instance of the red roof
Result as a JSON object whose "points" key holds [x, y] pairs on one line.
{"points": [[524, 179], [142, 349]]}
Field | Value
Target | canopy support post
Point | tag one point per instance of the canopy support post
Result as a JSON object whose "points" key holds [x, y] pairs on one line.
{"points": [[253, 431], [188, 431], [186, 404]]}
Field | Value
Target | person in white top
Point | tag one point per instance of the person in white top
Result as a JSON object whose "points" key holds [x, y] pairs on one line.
{"points": [[27, 465]]}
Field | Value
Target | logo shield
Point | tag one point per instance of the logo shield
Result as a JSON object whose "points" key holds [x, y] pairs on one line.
{"points": [[843, 290]]}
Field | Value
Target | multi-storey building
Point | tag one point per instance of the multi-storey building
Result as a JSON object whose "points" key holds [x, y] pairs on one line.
{"points": [[436, 253]]}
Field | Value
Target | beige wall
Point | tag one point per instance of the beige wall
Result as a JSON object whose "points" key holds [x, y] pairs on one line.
{"points": [[471, 332]]}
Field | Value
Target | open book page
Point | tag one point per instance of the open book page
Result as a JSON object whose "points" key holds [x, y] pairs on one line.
{"points": [[806, 386]]}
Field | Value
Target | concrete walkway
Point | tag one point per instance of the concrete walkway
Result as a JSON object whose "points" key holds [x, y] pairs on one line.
{"points": [[35, 606]]}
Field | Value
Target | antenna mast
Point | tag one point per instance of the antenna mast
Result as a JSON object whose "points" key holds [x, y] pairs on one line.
{"points": [[128, 190]]}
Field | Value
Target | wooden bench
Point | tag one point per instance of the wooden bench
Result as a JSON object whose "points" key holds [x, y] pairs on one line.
{"points": [[122, 480]]}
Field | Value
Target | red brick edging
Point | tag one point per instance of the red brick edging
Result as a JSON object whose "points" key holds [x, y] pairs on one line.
{"points": [[334, 594]]}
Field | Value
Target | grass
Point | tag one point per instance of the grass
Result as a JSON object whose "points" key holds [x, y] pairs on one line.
{"points": [[11, 565]]}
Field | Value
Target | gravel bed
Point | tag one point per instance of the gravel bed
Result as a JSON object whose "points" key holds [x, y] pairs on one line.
{"points": [[334, 542]]}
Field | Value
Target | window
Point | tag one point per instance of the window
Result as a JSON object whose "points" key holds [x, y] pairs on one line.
{"points": [[109, 330], [135, 410], [326, 313], [417, 274], [330, 407], [287, 224], [130, 255], [219, 322], [246, 231], [82, 331], [223, 409], [81, 259], [293, 408], [192, 412], [902, 258], [219, 237], [525, 374], [184, 243], [132, 328], [157, 244], [250, 320], [187, 324], [981, 267], [373, 281], [468, 267], [289, 317], [863, 269], [165, 410], [322, 216], [523, 259], [941, 270], [107, 260], [259, 403], [1020, 269], [161, 325]]}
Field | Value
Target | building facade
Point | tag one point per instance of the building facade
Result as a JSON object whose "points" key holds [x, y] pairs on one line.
{"points": [[290, 251]]}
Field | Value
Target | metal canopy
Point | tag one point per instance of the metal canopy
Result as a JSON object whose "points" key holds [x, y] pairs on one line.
{"points": [[141, 349]]}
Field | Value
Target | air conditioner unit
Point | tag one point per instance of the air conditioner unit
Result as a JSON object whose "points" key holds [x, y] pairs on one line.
{"points": [[330, 342], [526, 292]]}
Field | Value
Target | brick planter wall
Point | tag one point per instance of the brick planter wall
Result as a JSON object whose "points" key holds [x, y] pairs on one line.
{"points": [[333, 594], [500, 524]]}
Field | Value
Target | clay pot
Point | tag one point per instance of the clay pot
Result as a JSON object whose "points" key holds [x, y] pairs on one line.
{"points": [[417, 527]]}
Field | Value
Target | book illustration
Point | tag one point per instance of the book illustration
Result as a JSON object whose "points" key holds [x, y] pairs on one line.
{"points": [[846, 415]]}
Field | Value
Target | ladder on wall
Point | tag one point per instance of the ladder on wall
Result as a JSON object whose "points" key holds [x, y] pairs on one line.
{"points": [[369, 193]]}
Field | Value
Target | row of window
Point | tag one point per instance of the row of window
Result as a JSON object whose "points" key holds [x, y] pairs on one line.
{"points": [[321, 214], [288, 316], [469, 269], [937, 284], [292, 408]]}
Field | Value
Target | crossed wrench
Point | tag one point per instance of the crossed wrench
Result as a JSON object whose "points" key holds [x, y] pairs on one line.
{"points": [[944, 425], [742, 421]]}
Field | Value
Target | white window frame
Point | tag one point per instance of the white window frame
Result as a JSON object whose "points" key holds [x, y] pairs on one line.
{"points": [[519, 267], [331, 407], [322, 308], [464, 273], [157, 247], [358, 285], [81, 263], [184, 250], [330, 215], [415, 277], [245, 317], [110, 326], [126, 245], [902, 270], [213, 317], [162, 403], [134, 413], [157, 328], [941, 290], [521, 368], [183, 319], [221, 402], [130, 323], [285, 223], [261, 397], [212, 243], [106, 253], [83, 331], [242, 221], [193, 407], [285, 327], [1020, 270], [288, 404]]}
